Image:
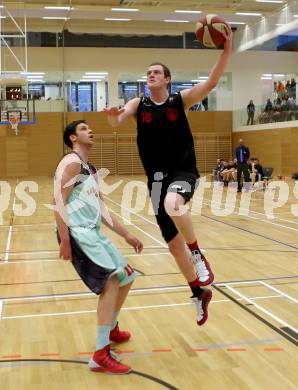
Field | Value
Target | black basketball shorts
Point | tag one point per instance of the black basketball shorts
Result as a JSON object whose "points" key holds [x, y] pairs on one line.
{"points": [[183, 183]]}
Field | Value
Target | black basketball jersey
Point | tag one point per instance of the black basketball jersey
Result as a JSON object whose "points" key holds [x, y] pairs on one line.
{"points": [[164, 138]]}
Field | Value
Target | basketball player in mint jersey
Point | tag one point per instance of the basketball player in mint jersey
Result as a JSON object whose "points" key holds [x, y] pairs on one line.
{"points": [[167, 152], [79, 212]]}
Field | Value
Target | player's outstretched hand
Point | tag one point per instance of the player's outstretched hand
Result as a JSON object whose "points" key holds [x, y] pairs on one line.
{"points": [[114, 111], [134, 242]]}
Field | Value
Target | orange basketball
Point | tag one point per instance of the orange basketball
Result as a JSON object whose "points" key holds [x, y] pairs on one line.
{"points": [[209, 30]]}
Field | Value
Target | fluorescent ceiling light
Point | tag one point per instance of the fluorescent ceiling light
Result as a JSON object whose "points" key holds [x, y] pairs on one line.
{"points": [[97, 73], [33, 73], [90, 80], [267, 75], [118, 19], [248, 13], [203, 77], [269, 1], [35, 81], [266, 78], [54, 17], [125, 9], [279, 75], [2, 17], [31, 76], [141, 80], [93, 77], [1, 6], [195, 81], [176, 21], [182, 11], [279, 24], [66, 8], [236, 22]]}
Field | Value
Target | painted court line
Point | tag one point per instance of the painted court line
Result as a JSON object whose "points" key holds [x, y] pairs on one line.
{"points": [[250, 300], [132, 212], [9, 237], [239, 343], [219, 221], [279, 292], [133, 290], [245, 209], [141, 230], [247, 216], [59, 260], [127, 308]]}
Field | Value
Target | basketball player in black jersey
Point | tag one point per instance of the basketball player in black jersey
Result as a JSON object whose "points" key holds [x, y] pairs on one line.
{"points": [[167, 152]]}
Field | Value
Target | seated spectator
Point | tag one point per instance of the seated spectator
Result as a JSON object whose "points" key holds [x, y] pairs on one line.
{"points": [[292, 108], [288, 87], [223, 171], [256, 171], [269, 106], [232, 167], [293, 88], [217, 170], [276, 115], [266, 115]]}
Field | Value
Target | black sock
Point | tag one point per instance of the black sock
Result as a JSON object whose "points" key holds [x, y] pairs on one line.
{"points": [[195, 288]]}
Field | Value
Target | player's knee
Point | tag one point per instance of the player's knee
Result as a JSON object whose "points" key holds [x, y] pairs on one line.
{"points": [[128, 276], [173, 204]]}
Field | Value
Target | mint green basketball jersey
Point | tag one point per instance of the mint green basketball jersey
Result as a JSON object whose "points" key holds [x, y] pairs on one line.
{"points": [[84, 221]]}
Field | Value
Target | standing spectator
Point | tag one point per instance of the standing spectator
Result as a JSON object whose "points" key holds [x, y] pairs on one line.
{"points": [[250, 113], [242, 155]]}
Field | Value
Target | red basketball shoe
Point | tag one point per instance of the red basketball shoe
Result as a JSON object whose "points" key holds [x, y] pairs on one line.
{"points": [[119, 336], [203, 269], [103, 361], [202, 306]]}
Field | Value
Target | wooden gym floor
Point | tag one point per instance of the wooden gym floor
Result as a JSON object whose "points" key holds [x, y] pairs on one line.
{"points": [[48, 318]]}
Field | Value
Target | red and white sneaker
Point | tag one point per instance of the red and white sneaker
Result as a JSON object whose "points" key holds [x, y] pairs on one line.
{"points": [[119, 336], [202, 306], [203, 269], [103, 361]]}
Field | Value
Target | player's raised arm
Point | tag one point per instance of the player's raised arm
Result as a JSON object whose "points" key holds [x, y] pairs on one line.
{"points": [[118, 115]]}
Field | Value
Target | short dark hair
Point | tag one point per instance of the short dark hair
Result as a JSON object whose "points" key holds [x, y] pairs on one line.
{"points": [[166, 70], [69, 130]]}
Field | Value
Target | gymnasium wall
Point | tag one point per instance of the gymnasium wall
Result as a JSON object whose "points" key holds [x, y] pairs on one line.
{"points": [[275, 148], [38, 148], [246, 67]]}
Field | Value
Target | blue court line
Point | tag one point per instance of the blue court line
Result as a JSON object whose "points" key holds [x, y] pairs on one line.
{"points": [[249, 231], [236, 344]]}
